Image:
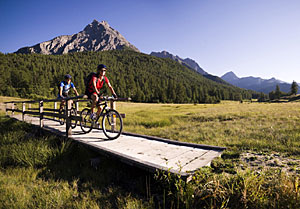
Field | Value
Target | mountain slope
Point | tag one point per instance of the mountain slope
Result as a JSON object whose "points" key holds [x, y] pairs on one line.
{"points": [[97, 36], [256, 83], [187, 62], [190, 64]]}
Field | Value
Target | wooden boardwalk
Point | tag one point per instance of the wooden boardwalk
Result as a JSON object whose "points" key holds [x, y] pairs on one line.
{"points": [[146, 152]]}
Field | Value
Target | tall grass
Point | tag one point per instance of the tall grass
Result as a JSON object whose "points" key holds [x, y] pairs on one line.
{"points": [[41, 171], [38, 170]]}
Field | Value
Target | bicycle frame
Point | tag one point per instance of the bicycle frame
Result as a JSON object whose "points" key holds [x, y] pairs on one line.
{"points": [[71, 104], [104, 108]]}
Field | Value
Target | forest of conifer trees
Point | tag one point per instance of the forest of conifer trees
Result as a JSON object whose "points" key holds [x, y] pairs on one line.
{"points": [[142, 77]]}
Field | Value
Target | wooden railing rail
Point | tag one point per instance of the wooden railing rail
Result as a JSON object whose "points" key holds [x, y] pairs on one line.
{"points": [[53, 113]]}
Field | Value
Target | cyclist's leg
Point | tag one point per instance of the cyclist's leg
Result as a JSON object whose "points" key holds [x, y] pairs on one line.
{"points": [[70, 103], [94, 98], [62, 104], [99, 110]]}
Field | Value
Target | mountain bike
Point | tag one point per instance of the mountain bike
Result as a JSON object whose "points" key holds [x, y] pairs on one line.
{"points": [[73, 112], [112, 123]]}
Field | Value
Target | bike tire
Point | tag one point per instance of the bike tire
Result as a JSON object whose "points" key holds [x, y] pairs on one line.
{"points": [[112, 124], [73, 112], [62, 120], [86, 124]]}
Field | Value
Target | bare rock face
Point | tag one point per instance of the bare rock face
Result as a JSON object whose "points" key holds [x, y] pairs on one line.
{"points": [[97, 36]]}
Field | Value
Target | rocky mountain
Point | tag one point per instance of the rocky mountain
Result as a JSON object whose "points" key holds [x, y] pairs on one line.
{"points": [[256, 83], [97, 36], [187, 62]]}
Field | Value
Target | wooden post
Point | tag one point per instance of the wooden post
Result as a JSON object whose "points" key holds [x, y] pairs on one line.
{"points": [[112, 105], [113, 120], [23, 110], [41, 111], [12, 108], [6, 113], [55, 107], [68, 121], [77, 106]]}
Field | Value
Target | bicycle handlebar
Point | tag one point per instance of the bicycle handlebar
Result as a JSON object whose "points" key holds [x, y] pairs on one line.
{"points": [[107, 98], [111, 98]]}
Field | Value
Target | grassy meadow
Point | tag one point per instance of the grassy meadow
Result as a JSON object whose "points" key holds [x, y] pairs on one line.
{"points": [[235, 125], [38, 170]]}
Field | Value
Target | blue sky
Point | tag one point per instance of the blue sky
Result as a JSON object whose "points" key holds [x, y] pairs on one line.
{"points": [[258, 38]]}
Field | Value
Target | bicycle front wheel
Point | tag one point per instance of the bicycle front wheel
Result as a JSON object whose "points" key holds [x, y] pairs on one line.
{"points": [[86, 123], [62, 120], [73, 112], [112, 124]]}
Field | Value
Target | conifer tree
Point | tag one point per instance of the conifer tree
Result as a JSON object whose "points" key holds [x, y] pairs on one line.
{"points": [[277, 92], [294, 88]]}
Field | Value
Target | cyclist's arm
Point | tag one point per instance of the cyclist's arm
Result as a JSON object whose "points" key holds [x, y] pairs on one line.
{"points": [[60, 91], [111, 89], [75, 91]]}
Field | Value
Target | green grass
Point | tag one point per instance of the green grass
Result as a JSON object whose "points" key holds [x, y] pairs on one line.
{"points": [[255, 126], [38, 170], [41, 171]]}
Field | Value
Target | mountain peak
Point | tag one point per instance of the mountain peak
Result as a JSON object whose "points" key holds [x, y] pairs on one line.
{"points": [[96, 26], [96, 36], [229, 76]]}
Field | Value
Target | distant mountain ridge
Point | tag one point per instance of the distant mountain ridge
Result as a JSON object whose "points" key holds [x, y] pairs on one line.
{"points": [[187, 62], [97, 36], [256, 83]]}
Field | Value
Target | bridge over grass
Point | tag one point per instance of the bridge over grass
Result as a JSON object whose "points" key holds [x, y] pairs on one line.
{"points": [[146, 152]]}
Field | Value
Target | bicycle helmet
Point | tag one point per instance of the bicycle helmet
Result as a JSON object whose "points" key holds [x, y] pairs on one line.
{"points": [[101, 66], [68, 76]]}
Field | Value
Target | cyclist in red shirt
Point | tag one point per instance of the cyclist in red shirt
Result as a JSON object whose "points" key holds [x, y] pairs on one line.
{"points": [[95, 84]]}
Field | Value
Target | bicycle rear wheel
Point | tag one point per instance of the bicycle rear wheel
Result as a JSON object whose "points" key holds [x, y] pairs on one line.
{"points": [[86, 123], [62, 120], [112, 124], [73, 112]]}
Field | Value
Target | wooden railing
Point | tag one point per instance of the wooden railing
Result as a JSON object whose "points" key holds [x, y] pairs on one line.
{"points": [[53, 113]]}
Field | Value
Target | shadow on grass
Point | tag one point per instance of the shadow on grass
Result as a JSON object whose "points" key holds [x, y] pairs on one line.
{"points": [[67, 160]]}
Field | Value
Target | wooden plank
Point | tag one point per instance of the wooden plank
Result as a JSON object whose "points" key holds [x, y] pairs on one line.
{"points": [[201, 161], [201, 146], [54, 115], [31, 113], [180, 161], [144, 152]]}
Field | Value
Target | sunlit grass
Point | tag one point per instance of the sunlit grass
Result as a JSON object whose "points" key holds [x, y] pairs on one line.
{"points": [[257, 126], [42, 171]]}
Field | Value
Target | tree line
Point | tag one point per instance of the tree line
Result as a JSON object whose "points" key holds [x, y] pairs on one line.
{"points": [[277, 93], [142, 77]]}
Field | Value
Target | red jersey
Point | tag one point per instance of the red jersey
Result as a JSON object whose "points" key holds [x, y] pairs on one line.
{"points": [[99, 83]]}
